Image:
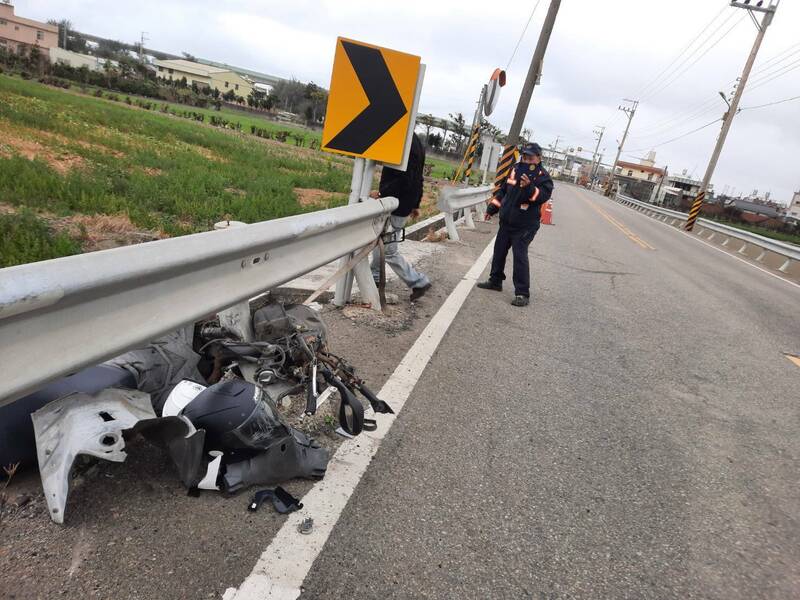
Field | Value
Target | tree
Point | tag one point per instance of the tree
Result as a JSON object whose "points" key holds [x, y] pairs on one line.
{"points": [[459, 131], [64, 27], [435, 141], [267, 102], [428, 122], [491, 130], [525, 137]]}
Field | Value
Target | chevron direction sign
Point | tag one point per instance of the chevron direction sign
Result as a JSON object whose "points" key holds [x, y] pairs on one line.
{"points": [[372, 102]]}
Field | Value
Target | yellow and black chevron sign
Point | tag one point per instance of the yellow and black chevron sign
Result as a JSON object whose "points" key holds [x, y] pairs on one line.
{"points": [[695, 210]]}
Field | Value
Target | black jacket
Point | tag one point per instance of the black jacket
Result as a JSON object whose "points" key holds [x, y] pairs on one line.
{"points": [[521, 206], [406, 185]]}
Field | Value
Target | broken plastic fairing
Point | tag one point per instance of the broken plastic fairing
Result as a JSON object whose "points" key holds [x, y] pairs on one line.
{"points": [[96, 425]]}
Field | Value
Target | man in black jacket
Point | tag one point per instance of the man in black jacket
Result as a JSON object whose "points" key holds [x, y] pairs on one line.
{"points": [[406, 186], [519, 202]]}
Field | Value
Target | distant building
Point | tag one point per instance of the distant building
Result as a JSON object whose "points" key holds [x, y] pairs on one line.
{"points": [[755, 208], [793, 210], [639, 180], [76, 60], [218, 78], [17, 33]]}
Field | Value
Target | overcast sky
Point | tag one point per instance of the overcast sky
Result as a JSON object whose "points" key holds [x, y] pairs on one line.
{"points": [[601, 51]]}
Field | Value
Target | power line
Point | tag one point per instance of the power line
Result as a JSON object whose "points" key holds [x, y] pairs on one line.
{"points": [[700, 109], [773, 72], [612, 118], [685, 48], [678, 75], [762, 66], [675, 139], [522, 35], [786, 69], [769, 103]]}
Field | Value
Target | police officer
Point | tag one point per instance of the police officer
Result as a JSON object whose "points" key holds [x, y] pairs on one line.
{"points": [[519, 202]]}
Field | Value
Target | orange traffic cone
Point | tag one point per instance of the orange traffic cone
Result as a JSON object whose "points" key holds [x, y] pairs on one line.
{"points": [[547, 213]]}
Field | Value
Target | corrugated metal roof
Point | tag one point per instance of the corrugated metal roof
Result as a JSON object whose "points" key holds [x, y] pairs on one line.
{"points": [[188, 66]]}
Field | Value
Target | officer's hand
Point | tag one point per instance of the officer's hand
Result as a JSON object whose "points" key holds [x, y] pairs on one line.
{"points": [[524, 181], [374, 194]]}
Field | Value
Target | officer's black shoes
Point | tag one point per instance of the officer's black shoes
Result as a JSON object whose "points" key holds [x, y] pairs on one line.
{"points": [[419, 292], [520, 301], [491, 285]]}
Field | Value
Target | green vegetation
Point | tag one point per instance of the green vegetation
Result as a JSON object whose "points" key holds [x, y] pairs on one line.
{"points": [[64, 153], [25, 238], [246, 121], [792, 238]]}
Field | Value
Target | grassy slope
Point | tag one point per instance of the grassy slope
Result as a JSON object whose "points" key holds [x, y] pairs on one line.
{"points": [[63, 153], [165, 173]]}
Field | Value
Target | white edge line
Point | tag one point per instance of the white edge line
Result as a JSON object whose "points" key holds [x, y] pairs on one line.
{"points": [[713, 247], [280, 571]]}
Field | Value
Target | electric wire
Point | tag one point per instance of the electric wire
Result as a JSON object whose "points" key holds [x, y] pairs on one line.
{"points": [[769, 103], [759, 82], [675, 139], [685, 48], [664, 85], [671, 68], [522, 35], [702, 108]]}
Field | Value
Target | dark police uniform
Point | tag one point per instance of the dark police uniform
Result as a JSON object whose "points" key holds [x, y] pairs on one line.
{"points": [[520, 210]]}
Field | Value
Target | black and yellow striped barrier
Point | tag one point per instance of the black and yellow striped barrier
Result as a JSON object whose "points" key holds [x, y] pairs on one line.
{"points": [[472, 149], [695, 210], [469, 157]]}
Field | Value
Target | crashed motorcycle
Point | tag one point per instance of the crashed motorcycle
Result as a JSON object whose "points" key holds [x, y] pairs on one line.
{"points": [[207, 396]]}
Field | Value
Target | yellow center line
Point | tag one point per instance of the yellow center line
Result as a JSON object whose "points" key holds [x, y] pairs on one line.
{"points": [[628, 233]]}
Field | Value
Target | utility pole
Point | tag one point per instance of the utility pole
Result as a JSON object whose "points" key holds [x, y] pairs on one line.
{"points": [[141, 47], [630, 111], [599, 133], [553, 151], [534, 73], [769, 13]]}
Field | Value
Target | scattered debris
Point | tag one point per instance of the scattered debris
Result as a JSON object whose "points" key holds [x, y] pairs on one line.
{"points": [[282, 500], [306, 526], [435, 236]]}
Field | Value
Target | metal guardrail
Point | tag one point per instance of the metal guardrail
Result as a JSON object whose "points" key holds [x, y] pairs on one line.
{"points": [[61, 315], [453, 199], [789, 252]]}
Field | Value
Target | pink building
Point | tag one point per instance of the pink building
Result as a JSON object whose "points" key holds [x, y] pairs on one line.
{"points": [[16, 31]]}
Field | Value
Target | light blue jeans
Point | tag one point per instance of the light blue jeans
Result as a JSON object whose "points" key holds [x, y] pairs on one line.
{"points": [[404, 270]]}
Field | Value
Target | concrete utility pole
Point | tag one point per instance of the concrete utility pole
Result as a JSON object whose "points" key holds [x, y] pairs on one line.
{"points": [[534, 73], [769, 13], [599, 133], [630, 111], [141, 46]]}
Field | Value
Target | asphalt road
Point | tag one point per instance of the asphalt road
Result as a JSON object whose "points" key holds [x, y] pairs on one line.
{"points": [[631, 434]]}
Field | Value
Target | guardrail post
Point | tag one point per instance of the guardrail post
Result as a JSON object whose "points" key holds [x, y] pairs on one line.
{"points": [[450, 224], [359, 191], [480, 211], [468, 218]]}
